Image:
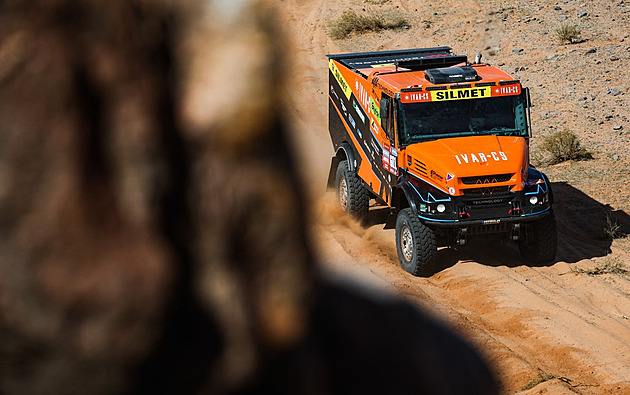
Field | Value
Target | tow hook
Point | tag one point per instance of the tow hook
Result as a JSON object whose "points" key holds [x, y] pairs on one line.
{"points": [[516, 232], [461, 237]]}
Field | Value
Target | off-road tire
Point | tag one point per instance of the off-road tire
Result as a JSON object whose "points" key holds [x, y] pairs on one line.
{"points": [[351, 194], [538, 243], [415, 244]]}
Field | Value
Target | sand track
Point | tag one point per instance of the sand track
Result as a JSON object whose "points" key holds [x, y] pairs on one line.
{"points": [[529, 321]]}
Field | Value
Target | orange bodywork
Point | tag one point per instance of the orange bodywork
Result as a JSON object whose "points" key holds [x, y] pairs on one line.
{"points": [[443, 163]]}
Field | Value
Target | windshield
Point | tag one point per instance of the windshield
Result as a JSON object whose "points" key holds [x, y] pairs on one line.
{"points": [[501, 116]]}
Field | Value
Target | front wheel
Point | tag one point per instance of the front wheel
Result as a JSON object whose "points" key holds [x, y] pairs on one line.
{"points": [[539, 240], [415, 244]]}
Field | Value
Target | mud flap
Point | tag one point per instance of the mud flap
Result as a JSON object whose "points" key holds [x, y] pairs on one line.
{"points": [[330, 185], [390, 223]]}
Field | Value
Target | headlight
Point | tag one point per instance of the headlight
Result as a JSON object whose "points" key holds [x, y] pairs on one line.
{"points": [[441, 208], [533, 200]]}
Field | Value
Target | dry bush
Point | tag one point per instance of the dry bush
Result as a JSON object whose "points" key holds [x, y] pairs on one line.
{"points": [[563, 146], [568, 33], [542, 377], [612, 230], [350, 22], [609, 266]]}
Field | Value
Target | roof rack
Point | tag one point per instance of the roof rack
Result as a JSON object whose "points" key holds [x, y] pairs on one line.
{"points": [[415, 59]]}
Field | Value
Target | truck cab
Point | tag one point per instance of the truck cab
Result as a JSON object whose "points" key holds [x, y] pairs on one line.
{"points": [[445, 144]]}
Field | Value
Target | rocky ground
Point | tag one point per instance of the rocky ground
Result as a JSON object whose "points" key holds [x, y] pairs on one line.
{"points": [[553, 329]]}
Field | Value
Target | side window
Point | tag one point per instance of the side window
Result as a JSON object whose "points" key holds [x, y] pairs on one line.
{"points": [[392, 120], [387, 114], [390, 117]]}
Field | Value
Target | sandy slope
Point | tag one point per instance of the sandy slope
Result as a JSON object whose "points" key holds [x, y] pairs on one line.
{"points": [[530, 321]]}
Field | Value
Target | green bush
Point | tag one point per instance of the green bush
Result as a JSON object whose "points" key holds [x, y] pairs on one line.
{"points": [[350, 22], [563, 146], [568, 33]]}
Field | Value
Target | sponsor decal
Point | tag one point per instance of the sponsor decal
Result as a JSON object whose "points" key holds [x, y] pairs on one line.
{"points": [[384, 89], [373, 126], [436, 176], [390, 159], [375, 110], [409, 161], [386, 156], [461, 94], [360, 134], [362, 93], [449, 176], [507, 90], [451, 190], [332, 90], [358, 110], [421, 96], [374, 66], [423, 207], [480, 157], [342, 81], [375, 145], [491, 221], [393, 165], [354, 125], [490, 201]]}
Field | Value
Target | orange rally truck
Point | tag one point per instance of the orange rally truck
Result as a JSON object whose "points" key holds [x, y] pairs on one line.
{"points": [[445, 144]]}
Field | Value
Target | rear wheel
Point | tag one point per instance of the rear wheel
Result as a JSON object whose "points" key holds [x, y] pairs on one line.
{"points": [[415, 244], [352, 195], [539, 240]]}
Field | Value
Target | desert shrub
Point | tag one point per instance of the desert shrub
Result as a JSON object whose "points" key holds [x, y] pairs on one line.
{"points": [[542, 377], [351, 22], [568, 33], [562, 146], [612, 229], [611, 265]]}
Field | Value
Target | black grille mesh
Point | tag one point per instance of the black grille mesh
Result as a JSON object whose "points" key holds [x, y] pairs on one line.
{"points": [[480, 180], [487, 191]]}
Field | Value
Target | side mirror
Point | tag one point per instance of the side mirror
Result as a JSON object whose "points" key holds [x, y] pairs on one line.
{"points": [[528, 100]]}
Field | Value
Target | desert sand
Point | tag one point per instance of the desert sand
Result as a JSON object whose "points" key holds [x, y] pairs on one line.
{"points": [[554, 328]]}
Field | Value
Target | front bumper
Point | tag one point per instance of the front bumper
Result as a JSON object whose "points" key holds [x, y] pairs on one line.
{"points": [[460, 211], [483, 222]]}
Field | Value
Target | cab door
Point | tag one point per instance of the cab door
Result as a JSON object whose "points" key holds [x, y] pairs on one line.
{"points": [[390, 157]]}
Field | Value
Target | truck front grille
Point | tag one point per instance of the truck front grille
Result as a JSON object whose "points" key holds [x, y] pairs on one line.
{"points": [[491, 179], [487, 191]]}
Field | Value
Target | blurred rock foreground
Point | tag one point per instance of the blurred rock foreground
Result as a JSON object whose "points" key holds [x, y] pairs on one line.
{"points": [[152, 235]]}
